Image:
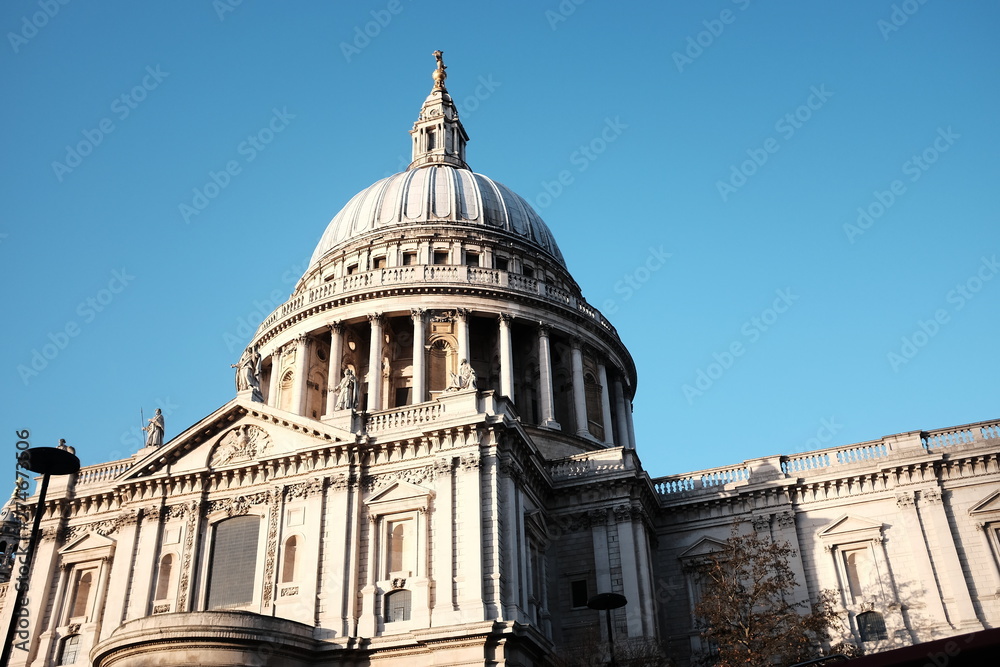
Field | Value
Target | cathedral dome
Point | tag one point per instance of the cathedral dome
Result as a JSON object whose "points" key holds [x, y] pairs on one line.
{"points": [[433, 194]]}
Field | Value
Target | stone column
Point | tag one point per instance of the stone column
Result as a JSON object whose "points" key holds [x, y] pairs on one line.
{"points": [[506, 358], [419, 358], [960, 607], [462, 331], [622, 421], [545, 373], [631, 425], [333, 374], [579, 391], [301, 374], [375, 363], [609, 432], [121, 567], [274, 385], [984, 529]]}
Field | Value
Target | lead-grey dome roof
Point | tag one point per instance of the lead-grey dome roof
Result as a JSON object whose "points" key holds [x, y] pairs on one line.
{"points": [[432, 194]]}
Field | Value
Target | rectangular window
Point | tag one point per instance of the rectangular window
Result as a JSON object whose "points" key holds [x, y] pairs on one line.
{"points": [[859, 569], [379, 263], [400, 547], [233, 562], [397, 606], [529, 272], [472, 258], [502, 263], [578, 591], [403, 395], [440, 256], [352, 269], [409, 258]]}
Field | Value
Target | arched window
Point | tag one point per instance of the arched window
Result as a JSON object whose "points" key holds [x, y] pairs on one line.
{"points": [[288, 564], [441, 365], [233, 562], [397, 545], [69, 649], [871, 626], [82, 595], [164, 578], [397, 606]]}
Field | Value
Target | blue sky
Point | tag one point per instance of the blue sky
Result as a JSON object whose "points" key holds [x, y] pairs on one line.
{"points": [[822, 177]]}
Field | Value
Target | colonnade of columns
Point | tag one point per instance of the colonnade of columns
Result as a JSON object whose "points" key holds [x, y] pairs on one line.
{"points": [[615, 409]]}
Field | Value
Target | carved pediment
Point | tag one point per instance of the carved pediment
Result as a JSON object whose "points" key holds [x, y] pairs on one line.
{"points": [[245, 442], [399, 496], [703, 547], [987, 508], [849, 528], [87, 547]]}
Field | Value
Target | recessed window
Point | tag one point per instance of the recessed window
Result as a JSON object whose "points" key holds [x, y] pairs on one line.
{"points": [[440, 256], [69, 649], [578, 592], [871, 626], [233, 562], [502, 263], [529, 272], [165, 577], [288, 565], [409, 258], [397, 606], [472, 258], [81, 599], [379, 263], [352, 269], [400, 545]]}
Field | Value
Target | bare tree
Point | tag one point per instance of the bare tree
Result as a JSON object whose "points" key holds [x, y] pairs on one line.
{"points": [[746, 613]]}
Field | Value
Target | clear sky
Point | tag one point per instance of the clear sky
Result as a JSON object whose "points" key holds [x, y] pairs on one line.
{"points": [[787, 209]]}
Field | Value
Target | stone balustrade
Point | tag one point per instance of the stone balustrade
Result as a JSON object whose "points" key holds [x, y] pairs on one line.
{"points": [[435, 274], [411, 416], [824, 461], [102, 472]]}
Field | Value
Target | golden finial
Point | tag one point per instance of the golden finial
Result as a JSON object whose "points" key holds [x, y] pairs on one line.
{"points": [[439, 74]]}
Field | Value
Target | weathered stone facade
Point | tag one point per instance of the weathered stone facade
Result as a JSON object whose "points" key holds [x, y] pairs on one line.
{"points": [[443, 469]]}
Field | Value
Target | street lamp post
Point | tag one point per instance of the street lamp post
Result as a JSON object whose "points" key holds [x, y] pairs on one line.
{"points": [[607, 602], [46, 461]]}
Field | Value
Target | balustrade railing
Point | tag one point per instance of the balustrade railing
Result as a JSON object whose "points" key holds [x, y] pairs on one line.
{"points": [[827, 460], [433, 273]]}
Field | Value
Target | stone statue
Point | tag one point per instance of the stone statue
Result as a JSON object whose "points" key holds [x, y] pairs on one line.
{"points": [[154, 437], [465, 378], [248, 374], [345, 392]]}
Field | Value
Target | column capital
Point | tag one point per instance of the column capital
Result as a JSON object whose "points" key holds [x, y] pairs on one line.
{"points": [[462, 313], [418, 314], [505, 319], [543, 329], [576, 343], [336, 326], [375, 318]]}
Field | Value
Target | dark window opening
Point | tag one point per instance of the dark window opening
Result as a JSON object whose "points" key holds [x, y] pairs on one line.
{"points": [[403, 396], [409, 258], [352, 269], [69, 650], [440, 256], [578, 590], [397, 606], [472, 258], [871, 626], [529, 272], [379, 263], [233, 562], [502, 263]]}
